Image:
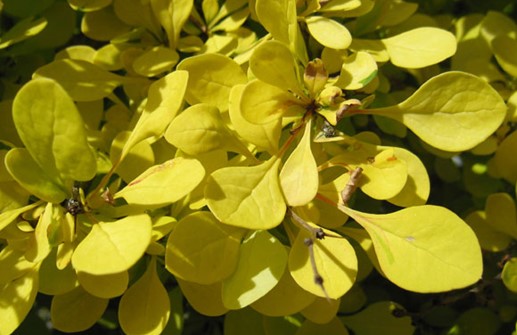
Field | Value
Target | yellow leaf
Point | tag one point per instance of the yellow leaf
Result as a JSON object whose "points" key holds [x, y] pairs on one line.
{"points": [[145, 307], [16, 300], [138, 158], [264, 136], [6, 217], [211, 77], [262, 103], [76, 310], [83, 81], [321, 311], [489, 238], [164, 100], [438, 114], [113, 247], [88, 5], [53, 281], [335, 262], [420, 47], [104, 286], [261, 264], [383, 314], [206, 299], [504, 49], [505, 158], [419, 249], [286, 298], [22, 30], [39, 245], [357, 71], [103, 25], [273, 63], [14, 264], [509, 274], [501, 213], [210, 257], [247, 196], [199, 129], [164, 184], [328, 32], [154, 61], [299, 176]]}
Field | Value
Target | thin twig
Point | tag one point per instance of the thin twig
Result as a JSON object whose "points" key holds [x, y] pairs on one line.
{"points": [[351, 185]]}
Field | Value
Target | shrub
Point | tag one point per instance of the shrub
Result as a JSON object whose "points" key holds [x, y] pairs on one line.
{"points": [[266, 166]]}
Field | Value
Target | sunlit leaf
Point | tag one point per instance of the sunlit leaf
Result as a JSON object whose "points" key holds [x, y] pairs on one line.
{"points": [[136, 159], [155, 61], [88, 5], [113, 247], [14, 265], [261, 264], [211, 77], [83, 81], [164, 184], [286, 298], [57, 141], [247, 196], [165, 98], [39, 244], [24, 29], [210, 257], [264, 136], [414, 257], [438, 114], [16, 300], [420, 47], [273, 63], [357, 71], [328, 32], [299, 175], [76, 310], [335, 262], [145, 307]]}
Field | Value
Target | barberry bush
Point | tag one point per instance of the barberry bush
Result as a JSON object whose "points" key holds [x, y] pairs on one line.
{"points": [[258, 167]]}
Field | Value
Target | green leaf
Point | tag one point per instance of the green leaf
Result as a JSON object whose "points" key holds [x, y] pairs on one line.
{"points": [[32, 177], [244, 321], [113, 247], [385, 321], [57, 141], [334, 327], [164, 100], [211, 77], [262, 262], [21, 290], [88, 5], [328, 32], [145, 307], [24, 29], [438, 114], [76, 310], [273, 63], [200, 129], [247, 196], [505, 158], [504, 47], [82, 80], [509, 274], [423, 248], [165, 183], [299, 176], [420, 47], [489, 238], [335, 262], [210, 257]]}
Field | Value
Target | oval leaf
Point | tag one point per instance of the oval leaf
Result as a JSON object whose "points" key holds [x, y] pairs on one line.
{"points": [[419, 248], [248, 197], [113, 247], [210, 257], [165, 183], [420, 47], [438, 114], [261, 264], [145, 307], [57, 141], [328, 32], [105, 286]]}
